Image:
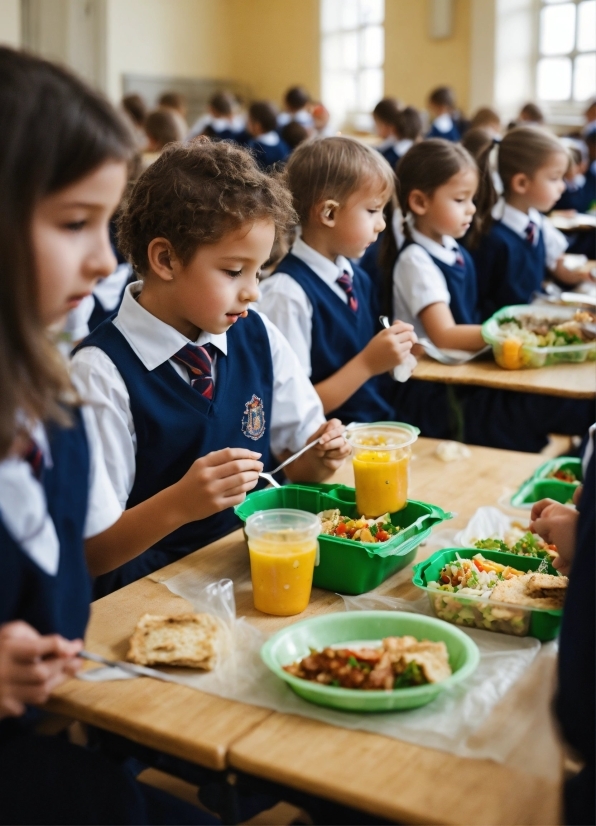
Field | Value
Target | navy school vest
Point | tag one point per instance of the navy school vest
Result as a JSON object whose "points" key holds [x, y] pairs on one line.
{"points": [[339, 334], [509, 269], [461, 283], [56, 604], [175, 425]]}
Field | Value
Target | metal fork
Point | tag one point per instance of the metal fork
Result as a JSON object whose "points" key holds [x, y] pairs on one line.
{"points": [[437, 354]]}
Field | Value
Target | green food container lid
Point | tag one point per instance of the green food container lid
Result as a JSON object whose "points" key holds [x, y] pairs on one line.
{"points": [[482, 612], [541, 485], [349, 567]]}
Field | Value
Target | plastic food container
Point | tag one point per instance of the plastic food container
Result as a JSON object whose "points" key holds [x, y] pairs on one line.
{"points": [[541, 485], [381, 458], [283, 549], [294, 642], [482, 612], [512, 354], [349, 567]]}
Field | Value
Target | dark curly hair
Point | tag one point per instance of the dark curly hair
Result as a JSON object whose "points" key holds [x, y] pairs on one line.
{"points": [[196, 193]]}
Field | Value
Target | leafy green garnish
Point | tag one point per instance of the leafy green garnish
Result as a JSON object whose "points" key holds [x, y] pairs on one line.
{"points": [[412, 675], [353, 661], [492, 545], [374, 529]]}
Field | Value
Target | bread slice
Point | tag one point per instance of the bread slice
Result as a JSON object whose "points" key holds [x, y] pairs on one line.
{"points": [[190, 640], [532, 590]]}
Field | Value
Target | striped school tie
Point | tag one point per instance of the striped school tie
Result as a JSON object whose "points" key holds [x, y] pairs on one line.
{"points": [[345, 282], [199, 363], [459, 259], [34, 456], [532, 233]]}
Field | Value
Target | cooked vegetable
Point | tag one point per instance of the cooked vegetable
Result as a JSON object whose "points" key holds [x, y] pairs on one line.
{"points": [[370, 531], [530, 544]]}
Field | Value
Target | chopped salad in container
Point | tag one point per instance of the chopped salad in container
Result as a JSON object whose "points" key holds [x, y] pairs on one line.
{"points": [[526, 336]]}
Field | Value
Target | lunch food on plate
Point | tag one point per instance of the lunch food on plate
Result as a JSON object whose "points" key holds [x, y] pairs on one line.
{"points": [[400, 662], [360, 530], [480, 577], [190, 640], [529, 544]]}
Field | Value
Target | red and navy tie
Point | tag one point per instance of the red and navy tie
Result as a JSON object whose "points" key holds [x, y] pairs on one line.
{"points": [[345, 282], [34, 456], [459, 259], [531, 233], [199, 363]]}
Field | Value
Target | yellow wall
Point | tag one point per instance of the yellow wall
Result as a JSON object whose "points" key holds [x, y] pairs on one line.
{"points": [[10, 22], [415, 64], [274, 44], [183, 38]]}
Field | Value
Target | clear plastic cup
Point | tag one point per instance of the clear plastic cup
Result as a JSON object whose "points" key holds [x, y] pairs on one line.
{"points": [[381, 455], [284, 550]]}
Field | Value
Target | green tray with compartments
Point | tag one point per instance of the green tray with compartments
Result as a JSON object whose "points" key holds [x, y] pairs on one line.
{"points": [[471, 611], [542, 485], [349, 567]]}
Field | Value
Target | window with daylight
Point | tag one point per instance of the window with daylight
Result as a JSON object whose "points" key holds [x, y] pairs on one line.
{"points": [[566, 66], [352, 57]]}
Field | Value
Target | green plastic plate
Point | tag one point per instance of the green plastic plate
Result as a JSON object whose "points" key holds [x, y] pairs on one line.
{"points": [[349, 567], [541, 486], [295, 642], [482, 612]]}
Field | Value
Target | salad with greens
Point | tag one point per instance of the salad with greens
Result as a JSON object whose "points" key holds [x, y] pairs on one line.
{"points": [[530, 544]]}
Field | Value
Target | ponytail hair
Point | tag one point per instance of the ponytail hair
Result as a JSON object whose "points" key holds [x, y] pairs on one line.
{"points": [[427, 166], [524, 149]]}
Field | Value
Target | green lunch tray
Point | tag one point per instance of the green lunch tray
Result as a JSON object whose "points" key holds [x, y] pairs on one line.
{"points": [[542, 486], [482, 612], [345, 566]]}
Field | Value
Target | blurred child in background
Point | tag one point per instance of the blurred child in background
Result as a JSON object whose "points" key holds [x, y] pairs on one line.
{"points": [[222, 121], [297, 103], [176, 103], [443, 112], [323, 303], [161, 128], [408, 130], [487, 119], [266, 144], [293, 134], [515, 251], [384, 115], [135, 110]]}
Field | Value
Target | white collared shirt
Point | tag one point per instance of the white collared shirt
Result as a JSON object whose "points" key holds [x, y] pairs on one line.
{"points": [[23, 503], [402, 146], [417, 281], [444, 123], [555, 242], [286, 304], [386, 144], [296, 410], [268, 139]]}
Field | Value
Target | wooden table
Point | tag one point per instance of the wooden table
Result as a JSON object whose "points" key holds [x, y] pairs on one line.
{"points": [[376, 774], [572, 381]]}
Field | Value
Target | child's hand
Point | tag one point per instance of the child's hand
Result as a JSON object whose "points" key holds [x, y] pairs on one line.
{"points": [[557, 525], [318, 464], [31, 666], [218, 481], [389, 348]]}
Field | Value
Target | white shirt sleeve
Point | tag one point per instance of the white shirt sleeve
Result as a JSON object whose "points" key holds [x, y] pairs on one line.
{"points": [[297, 411], [100, 385], [417, 283], [555, 243], [103, 507], [285, 303]]}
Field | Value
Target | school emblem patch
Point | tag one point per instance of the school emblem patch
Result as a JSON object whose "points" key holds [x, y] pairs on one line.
{"points": [[253, 420]]}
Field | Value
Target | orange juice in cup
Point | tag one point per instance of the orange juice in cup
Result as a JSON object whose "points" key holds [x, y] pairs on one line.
{"points": [[283, 549], [381, 459]]}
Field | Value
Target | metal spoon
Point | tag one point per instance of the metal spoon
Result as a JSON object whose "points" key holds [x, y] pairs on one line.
{"points": [[268, 476], [437, 354]]}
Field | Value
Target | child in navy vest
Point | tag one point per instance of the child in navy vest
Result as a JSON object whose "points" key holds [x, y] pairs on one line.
{"points": [[62, 172], [325, 304], [186, 379], [442, 108], [434, 283], [268, 147], [515, 248]]}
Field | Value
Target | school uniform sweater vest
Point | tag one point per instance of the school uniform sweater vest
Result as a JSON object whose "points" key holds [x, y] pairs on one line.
{"points": [[509, 269], [59, 603], [461, 283], [175, 424], [338, 334], [390, 156], [452, 134], [266, 155]]}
